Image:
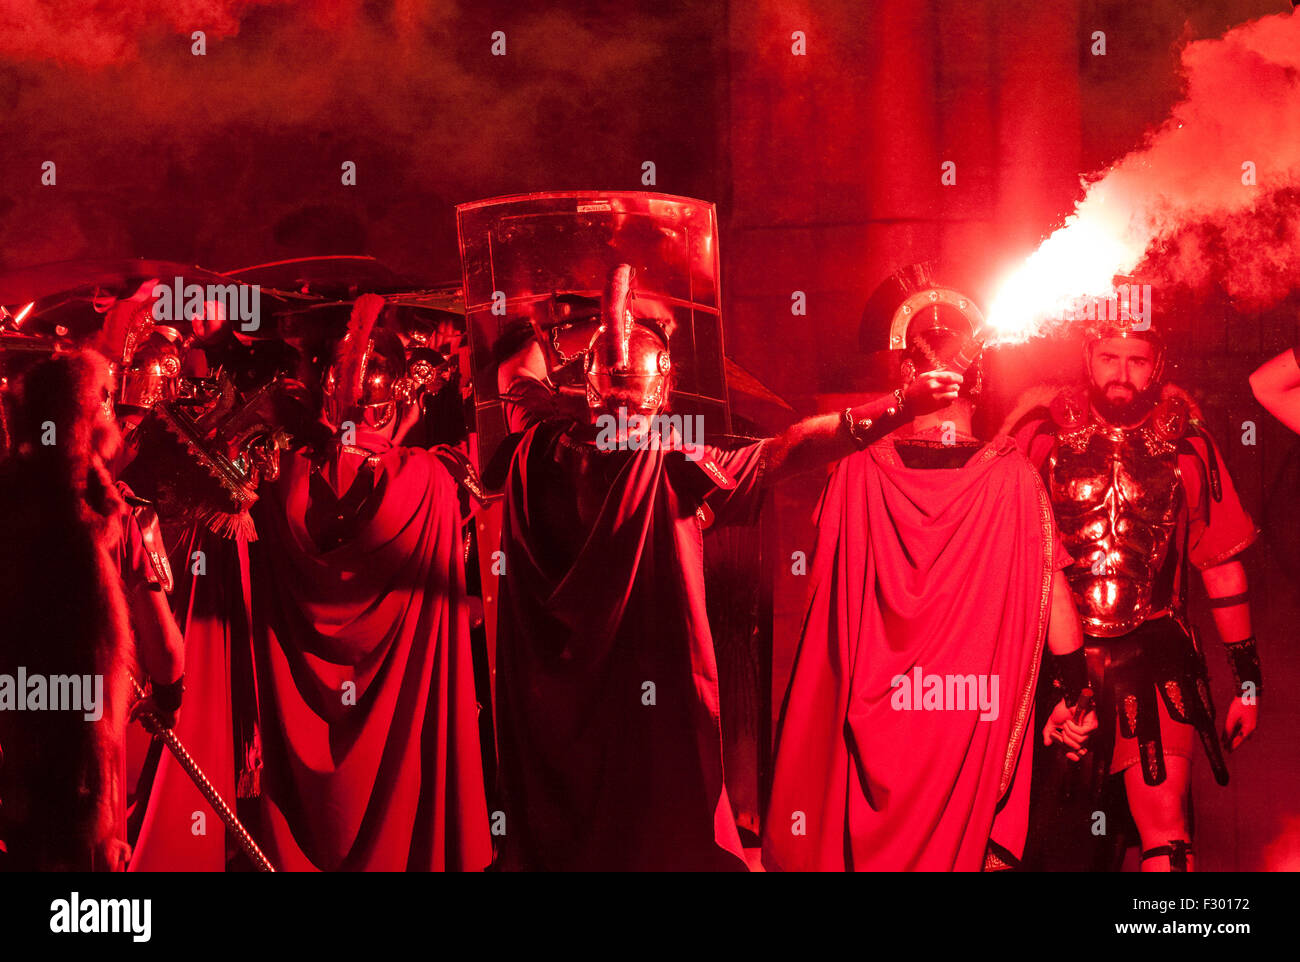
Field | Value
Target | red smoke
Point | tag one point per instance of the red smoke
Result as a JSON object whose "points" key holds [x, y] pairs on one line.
{"points": [[90, 33]]}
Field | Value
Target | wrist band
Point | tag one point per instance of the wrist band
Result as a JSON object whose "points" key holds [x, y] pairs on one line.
{"points": [[1178, 849], [852, 427], [1245, 663], [1072, 675], [168, 697], [889, 419], [1230, 601]]}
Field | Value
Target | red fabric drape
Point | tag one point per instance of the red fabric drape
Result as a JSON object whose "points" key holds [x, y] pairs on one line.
{"points": [[171, 838], [364, 679], [945, 570], [598, 770]]}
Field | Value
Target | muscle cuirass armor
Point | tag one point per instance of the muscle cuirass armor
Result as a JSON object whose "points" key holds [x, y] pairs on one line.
{"points": [[1117, 497]]}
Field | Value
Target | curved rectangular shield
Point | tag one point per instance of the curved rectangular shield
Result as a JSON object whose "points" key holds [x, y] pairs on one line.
{"points": [[531, 261]]}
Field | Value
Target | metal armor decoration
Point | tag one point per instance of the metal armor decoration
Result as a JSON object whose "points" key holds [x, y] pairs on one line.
{"points": [[627, 363], [1118, 498], [205, 463]]}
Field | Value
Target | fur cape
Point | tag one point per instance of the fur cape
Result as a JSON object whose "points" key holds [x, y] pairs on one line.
{"points": [[62, 612]]}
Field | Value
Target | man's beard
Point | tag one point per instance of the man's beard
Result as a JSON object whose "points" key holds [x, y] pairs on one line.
{"points": [[1122, 412]]}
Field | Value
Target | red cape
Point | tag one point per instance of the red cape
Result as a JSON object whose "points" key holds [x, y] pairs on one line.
{"points": [[944, 570], [212, 608], [365, 684], [594, 775], [363, 687]]}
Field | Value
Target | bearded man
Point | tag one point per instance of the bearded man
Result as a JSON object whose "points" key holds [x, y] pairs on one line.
{"points": [[1140, 495]]}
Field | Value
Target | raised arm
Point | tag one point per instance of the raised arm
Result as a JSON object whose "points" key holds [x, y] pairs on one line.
{"points": [[823, 438]]}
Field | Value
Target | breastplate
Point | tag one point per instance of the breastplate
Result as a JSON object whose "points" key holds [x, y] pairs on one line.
{"points": [[1117, 497]]}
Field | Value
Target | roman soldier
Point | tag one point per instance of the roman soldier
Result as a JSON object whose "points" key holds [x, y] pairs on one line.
{"points": [[1141, 496], [937, 585], [365, 753]]}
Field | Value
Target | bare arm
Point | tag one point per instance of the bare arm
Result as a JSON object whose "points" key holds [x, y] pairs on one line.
{"points": [[818, 440], [158, 640], [1224, 581], [160, 647], [1276, 384], [528, 361], [1233, 621], [1064, 633]]}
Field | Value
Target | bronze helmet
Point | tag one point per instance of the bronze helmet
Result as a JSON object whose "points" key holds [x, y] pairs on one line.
{"points": [[918, 319], [362, 383], [150, 368], [627, 363]]}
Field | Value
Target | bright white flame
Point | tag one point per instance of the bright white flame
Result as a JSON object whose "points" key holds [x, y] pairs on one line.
{"points": [[1080, 259]]}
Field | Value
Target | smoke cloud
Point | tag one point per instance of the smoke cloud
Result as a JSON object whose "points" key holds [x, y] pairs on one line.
{"points": [[1210, 196], [234, 156]]}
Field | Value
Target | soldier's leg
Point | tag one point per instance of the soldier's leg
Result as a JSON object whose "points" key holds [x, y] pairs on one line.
{"points": [[1160, 813]]}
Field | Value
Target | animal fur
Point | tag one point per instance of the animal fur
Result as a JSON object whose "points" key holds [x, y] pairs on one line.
{"points": [[62, 612]]}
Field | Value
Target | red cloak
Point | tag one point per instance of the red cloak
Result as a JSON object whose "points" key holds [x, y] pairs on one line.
{"points": [[607, 689], [948, 571], [211, 603], [365, 684], [361, 697]]}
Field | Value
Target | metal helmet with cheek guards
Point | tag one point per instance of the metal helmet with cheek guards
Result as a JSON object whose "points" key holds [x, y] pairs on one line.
{"points": [[627, 364], [152, 369], [363, 381], [146, 357]]}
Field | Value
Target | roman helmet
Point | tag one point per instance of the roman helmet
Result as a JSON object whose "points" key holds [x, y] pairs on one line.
{"points": [[146, 357], [363, 382], [150, 374], [917, 321], [627, 363]]}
